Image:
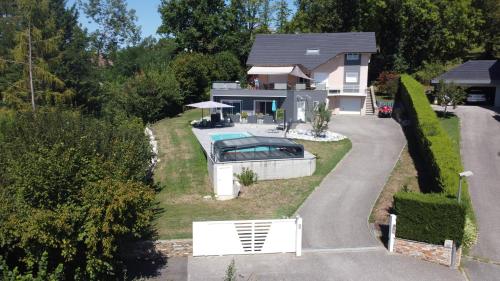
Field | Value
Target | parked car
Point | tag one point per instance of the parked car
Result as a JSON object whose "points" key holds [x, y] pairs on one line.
{"points": [[385, 111], [476, 96]]}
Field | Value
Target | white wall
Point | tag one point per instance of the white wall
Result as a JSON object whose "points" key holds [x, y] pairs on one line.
{"points": [[271, 169], [335, 68]]}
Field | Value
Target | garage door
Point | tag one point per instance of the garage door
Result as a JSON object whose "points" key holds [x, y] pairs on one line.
{"points": [[350, 105]]}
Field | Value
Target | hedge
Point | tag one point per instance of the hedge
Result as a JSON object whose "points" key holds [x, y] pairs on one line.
{"points": [[430, 218], [433, 142]]}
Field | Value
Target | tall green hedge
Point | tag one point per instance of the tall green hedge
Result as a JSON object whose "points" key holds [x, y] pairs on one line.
{"points": [[433, 142], [430, 218], [437, 216]]}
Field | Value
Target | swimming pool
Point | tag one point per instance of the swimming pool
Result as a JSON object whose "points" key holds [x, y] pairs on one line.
{"points": [[228, 136]]}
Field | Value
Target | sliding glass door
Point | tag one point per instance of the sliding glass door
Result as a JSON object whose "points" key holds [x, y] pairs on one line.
{"points": [[263, 107]]}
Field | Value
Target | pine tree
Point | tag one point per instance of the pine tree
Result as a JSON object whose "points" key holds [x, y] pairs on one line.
{"points": [[35, 45]]}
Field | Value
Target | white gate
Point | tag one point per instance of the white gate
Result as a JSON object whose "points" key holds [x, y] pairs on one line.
{"points": [[247, 237]]}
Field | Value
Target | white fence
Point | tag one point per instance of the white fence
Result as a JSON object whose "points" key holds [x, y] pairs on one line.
{"points": [[247, 237]]}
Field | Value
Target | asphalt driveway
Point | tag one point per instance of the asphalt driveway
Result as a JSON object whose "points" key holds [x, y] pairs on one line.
{"points": [[480, 149], [336, 213], [372, 265]]}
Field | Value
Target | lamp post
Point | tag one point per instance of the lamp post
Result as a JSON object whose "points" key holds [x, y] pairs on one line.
{"points": [[465, 174]]}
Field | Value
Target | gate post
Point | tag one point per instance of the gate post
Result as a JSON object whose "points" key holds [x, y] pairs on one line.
{"points": [[298, 236], [392, 232]]}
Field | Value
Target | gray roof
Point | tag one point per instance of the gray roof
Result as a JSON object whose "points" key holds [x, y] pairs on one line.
{"points": [[290, 49], [473, 72]]}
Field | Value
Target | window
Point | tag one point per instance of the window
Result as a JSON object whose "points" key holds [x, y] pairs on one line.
{"points": [[264, 107], [352, 57], [351, 77], [231, 110], [312, 52]]}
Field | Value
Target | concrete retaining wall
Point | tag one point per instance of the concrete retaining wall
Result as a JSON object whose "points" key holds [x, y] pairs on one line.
{"points": [[440, 254], [271, 169]]}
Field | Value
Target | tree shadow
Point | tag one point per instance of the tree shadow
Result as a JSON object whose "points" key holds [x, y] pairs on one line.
{"points": [[141, 258], [447, 115]]}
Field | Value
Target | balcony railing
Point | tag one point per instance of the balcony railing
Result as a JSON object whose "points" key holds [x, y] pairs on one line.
{"points": [[230, 85]]}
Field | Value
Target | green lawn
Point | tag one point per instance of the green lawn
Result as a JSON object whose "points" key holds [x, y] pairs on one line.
{"points": [[451, 125], [182, 172]]}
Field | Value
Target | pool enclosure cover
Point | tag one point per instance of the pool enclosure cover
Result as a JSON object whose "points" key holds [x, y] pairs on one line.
{"points": [[256, 148]]}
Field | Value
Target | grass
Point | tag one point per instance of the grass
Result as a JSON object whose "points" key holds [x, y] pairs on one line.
{"points": [[451, 125], [182, 172]]}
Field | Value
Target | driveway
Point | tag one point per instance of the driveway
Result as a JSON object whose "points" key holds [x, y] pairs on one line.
{"points": [[336, 236], [480, 149], [345, 266], [336, 213]]}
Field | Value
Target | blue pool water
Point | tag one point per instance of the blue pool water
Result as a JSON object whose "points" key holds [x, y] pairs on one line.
{"points": [[228, 136]]}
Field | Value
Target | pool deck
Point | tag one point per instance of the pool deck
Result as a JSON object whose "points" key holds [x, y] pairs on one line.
{"points": [[262, 130]]}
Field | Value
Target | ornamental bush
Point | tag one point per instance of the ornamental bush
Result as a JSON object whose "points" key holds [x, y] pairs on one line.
{"points": [[430, 218]]}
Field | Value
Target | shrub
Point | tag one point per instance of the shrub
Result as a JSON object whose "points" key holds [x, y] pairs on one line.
{"points": [[247, 177], [280, 114], [321, 118], [244, 115], [470, 233], [388, 83], [430, 218], [75, 188]]}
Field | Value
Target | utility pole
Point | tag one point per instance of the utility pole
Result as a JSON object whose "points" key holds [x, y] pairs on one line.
{"points": [[30, 65]]}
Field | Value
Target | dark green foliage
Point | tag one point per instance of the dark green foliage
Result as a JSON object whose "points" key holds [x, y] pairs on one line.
{"points": [[247, 177], [433, 142], [429, 218], [75, 188], [429, 71]]}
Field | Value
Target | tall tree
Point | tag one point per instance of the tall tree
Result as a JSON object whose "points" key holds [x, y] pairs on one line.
{"points": [[196, 25], [36, 41], [116, 25], [490, 28], [282, 14], [316, 16]]}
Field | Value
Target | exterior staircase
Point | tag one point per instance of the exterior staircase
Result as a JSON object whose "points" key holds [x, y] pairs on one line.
{"points": [[369, 108]]}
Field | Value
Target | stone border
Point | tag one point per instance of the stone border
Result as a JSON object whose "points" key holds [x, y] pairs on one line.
{"points": [[440, 254]]}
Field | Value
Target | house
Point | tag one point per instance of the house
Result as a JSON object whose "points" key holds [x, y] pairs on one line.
{"points": [[299, 71], [479, 77]]}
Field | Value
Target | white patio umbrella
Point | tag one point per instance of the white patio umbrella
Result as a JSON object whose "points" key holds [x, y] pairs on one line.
{"points": [[208, 104]]}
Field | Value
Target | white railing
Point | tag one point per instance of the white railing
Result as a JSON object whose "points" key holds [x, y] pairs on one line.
{"points": [[226, 85], [247, 237]]}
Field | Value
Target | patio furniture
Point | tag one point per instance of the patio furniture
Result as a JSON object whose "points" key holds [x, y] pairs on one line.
{"points": [[235, 118], [268, 119], [252, 119]]}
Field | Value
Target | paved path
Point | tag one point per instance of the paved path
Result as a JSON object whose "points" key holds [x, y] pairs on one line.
{"points": [[480, 149], [336, 213], [372, 265]]}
